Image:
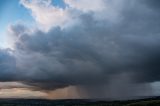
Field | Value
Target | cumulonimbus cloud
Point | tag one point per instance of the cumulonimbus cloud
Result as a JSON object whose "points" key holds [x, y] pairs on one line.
{"points": [[93, 52]]}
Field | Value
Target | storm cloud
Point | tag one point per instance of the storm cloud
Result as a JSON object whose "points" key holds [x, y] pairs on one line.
{"points": [[95, 54], [7, 65]]}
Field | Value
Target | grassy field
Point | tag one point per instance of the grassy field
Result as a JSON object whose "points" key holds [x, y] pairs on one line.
{"points": [[79, 102]]}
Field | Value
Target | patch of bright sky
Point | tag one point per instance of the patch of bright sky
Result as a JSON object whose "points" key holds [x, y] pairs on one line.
{"points": [[59, 3]]}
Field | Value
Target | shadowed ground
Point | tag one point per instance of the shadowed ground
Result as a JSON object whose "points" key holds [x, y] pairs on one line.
{"points": [[155, 101]]}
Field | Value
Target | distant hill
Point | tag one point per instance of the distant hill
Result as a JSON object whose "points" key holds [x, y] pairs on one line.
{"points": [[152, 101]]}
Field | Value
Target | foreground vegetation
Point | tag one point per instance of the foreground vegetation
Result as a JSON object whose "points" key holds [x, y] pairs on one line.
{"points": [[79, 102]]}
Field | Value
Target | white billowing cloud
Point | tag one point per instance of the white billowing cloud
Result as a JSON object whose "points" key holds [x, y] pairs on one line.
{"points": [[46, 14]]}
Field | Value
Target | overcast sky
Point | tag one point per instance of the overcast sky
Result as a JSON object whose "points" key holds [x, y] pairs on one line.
{"points": [[79, 48]]}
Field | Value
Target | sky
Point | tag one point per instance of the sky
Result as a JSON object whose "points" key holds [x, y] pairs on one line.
{"points": [[68, 49]]}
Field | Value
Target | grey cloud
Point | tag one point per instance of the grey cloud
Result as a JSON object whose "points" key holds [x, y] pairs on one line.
{"points": [[92, 53], [155, 4], [7, 66]]}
